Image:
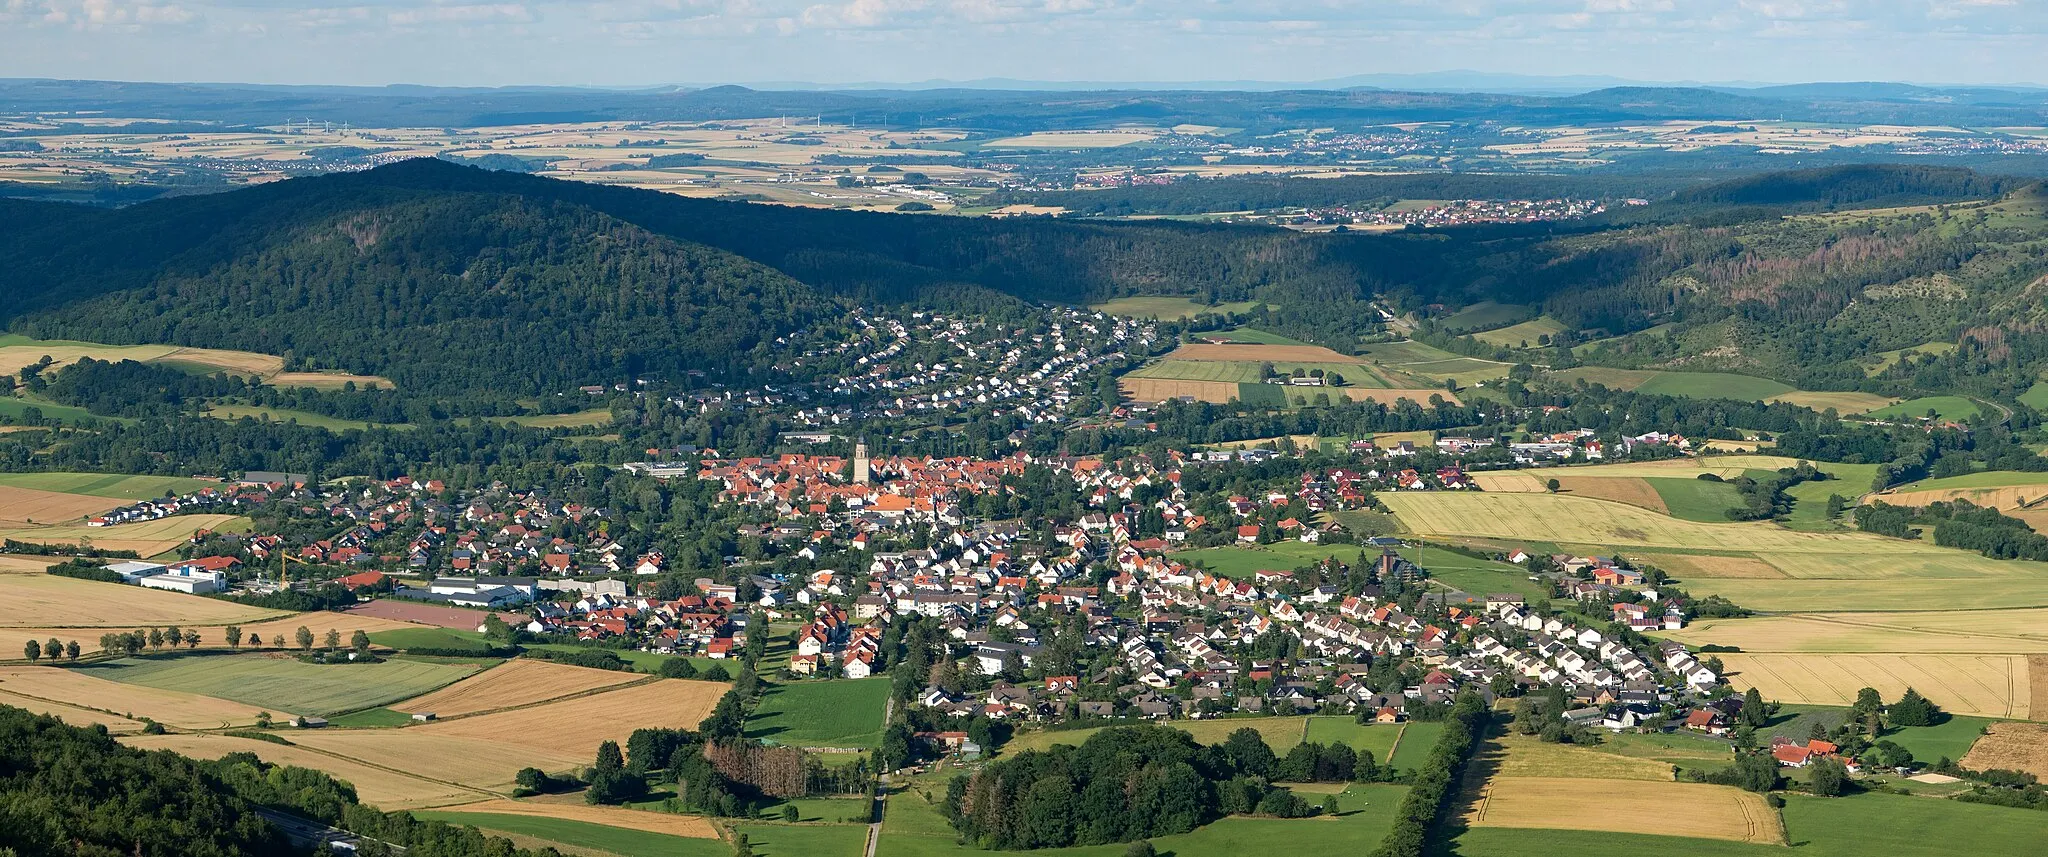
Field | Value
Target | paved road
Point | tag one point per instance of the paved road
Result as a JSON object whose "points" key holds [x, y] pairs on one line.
{"points": [[312, 833]]}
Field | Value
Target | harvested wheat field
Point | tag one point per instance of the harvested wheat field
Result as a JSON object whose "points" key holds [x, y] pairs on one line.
{"points": [[1261, 353], [29, 507], [1632, 490], [2013, 747], [1385, 397], [1161, 389], [1724, 466], [694, 827], [1962, 632], [488, 764], [69, 687], [1688, 566], [1987, 685], [515, 683], [33, 600], [1626, 806], [25, 564], [72, 714], [1583, 520], [1510, 482], [147, 538], [387, 790], [2009, 497], [597, 718]]}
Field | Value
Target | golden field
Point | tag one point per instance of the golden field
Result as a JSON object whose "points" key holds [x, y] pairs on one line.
{"points": [[48, 600], [1986, 685], [1626, 806], [170, 707], [512, 684], [384, 789]]}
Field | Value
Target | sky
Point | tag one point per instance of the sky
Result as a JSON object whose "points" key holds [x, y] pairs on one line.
{"points": [[652, 42]]}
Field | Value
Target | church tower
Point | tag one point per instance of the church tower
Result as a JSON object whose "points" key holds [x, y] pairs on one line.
{"points": [[860, 462]]}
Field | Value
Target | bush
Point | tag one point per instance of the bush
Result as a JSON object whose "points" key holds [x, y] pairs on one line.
{"points": [[678, 668]]}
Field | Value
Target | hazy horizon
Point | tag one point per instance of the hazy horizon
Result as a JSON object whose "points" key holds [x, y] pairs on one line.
{"points": [[627, 43]]}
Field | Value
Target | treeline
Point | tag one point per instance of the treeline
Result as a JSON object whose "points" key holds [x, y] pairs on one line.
{"points": [[74, 791], [1958, 524], [1433, 786], [1124, 783]]}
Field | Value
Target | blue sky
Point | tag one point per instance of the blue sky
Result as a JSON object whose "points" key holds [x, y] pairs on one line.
{"points": [[630, 42]]}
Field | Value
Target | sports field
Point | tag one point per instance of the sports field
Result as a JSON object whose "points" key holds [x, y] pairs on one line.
{"points": [[384, 789], [1691, 810], [35, 600], [843, 713], [147, 538], [283, 683], [1987, 685], [76, 688], [515, 683]]}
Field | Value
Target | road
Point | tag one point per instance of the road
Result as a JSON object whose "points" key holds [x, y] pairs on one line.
{"points": [[313, 834]]}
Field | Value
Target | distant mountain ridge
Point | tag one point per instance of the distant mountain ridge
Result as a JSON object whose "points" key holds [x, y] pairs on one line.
{"points": [[1339, 101]]}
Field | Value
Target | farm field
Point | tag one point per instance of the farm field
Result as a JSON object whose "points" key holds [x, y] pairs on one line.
{"points": [[1944, 407], [1843, 403], [1485, 315], [29, 507], [283, 683], [1529, 331], [147, 538], [1248, 372], [1523, 756], [34, 599], [1690, 810], [386, 790], [76, 688], [1534, 517], [579, 419], [1235, 562], [415, 613], [842, 713], [1254, 335], [514, 683], [72, 714], [1166, 308], [1985, 685], [914, 827], [1858, 826], [17, 351], [801, 840], [117, 486], [1280, 733], [1255, 354], [580, 836], [1968, 631], [1695, 499], [280, 415], [689, 826], [2011, 746]]}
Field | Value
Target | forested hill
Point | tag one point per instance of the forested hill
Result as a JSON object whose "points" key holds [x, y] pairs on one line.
{"points": [[441, 292]]}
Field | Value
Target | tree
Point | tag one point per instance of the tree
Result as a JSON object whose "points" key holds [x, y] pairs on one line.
{"points": [[1248, 753], [191, 638], [360, 641], [789, 813], [234, 636], [156, 638], [678, 668], [1830, 777], [1140, 848], [71, 651], [716, 672], [332, 641], [531, 779], [33, 649], [1330, 806], [304, 636], [1753, 711], [53, 648], [1552, 485], [1912, 709]]}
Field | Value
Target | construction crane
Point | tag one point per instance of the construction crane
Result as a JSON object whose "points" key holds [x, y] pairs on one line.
{"points": [[284, 556]]}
